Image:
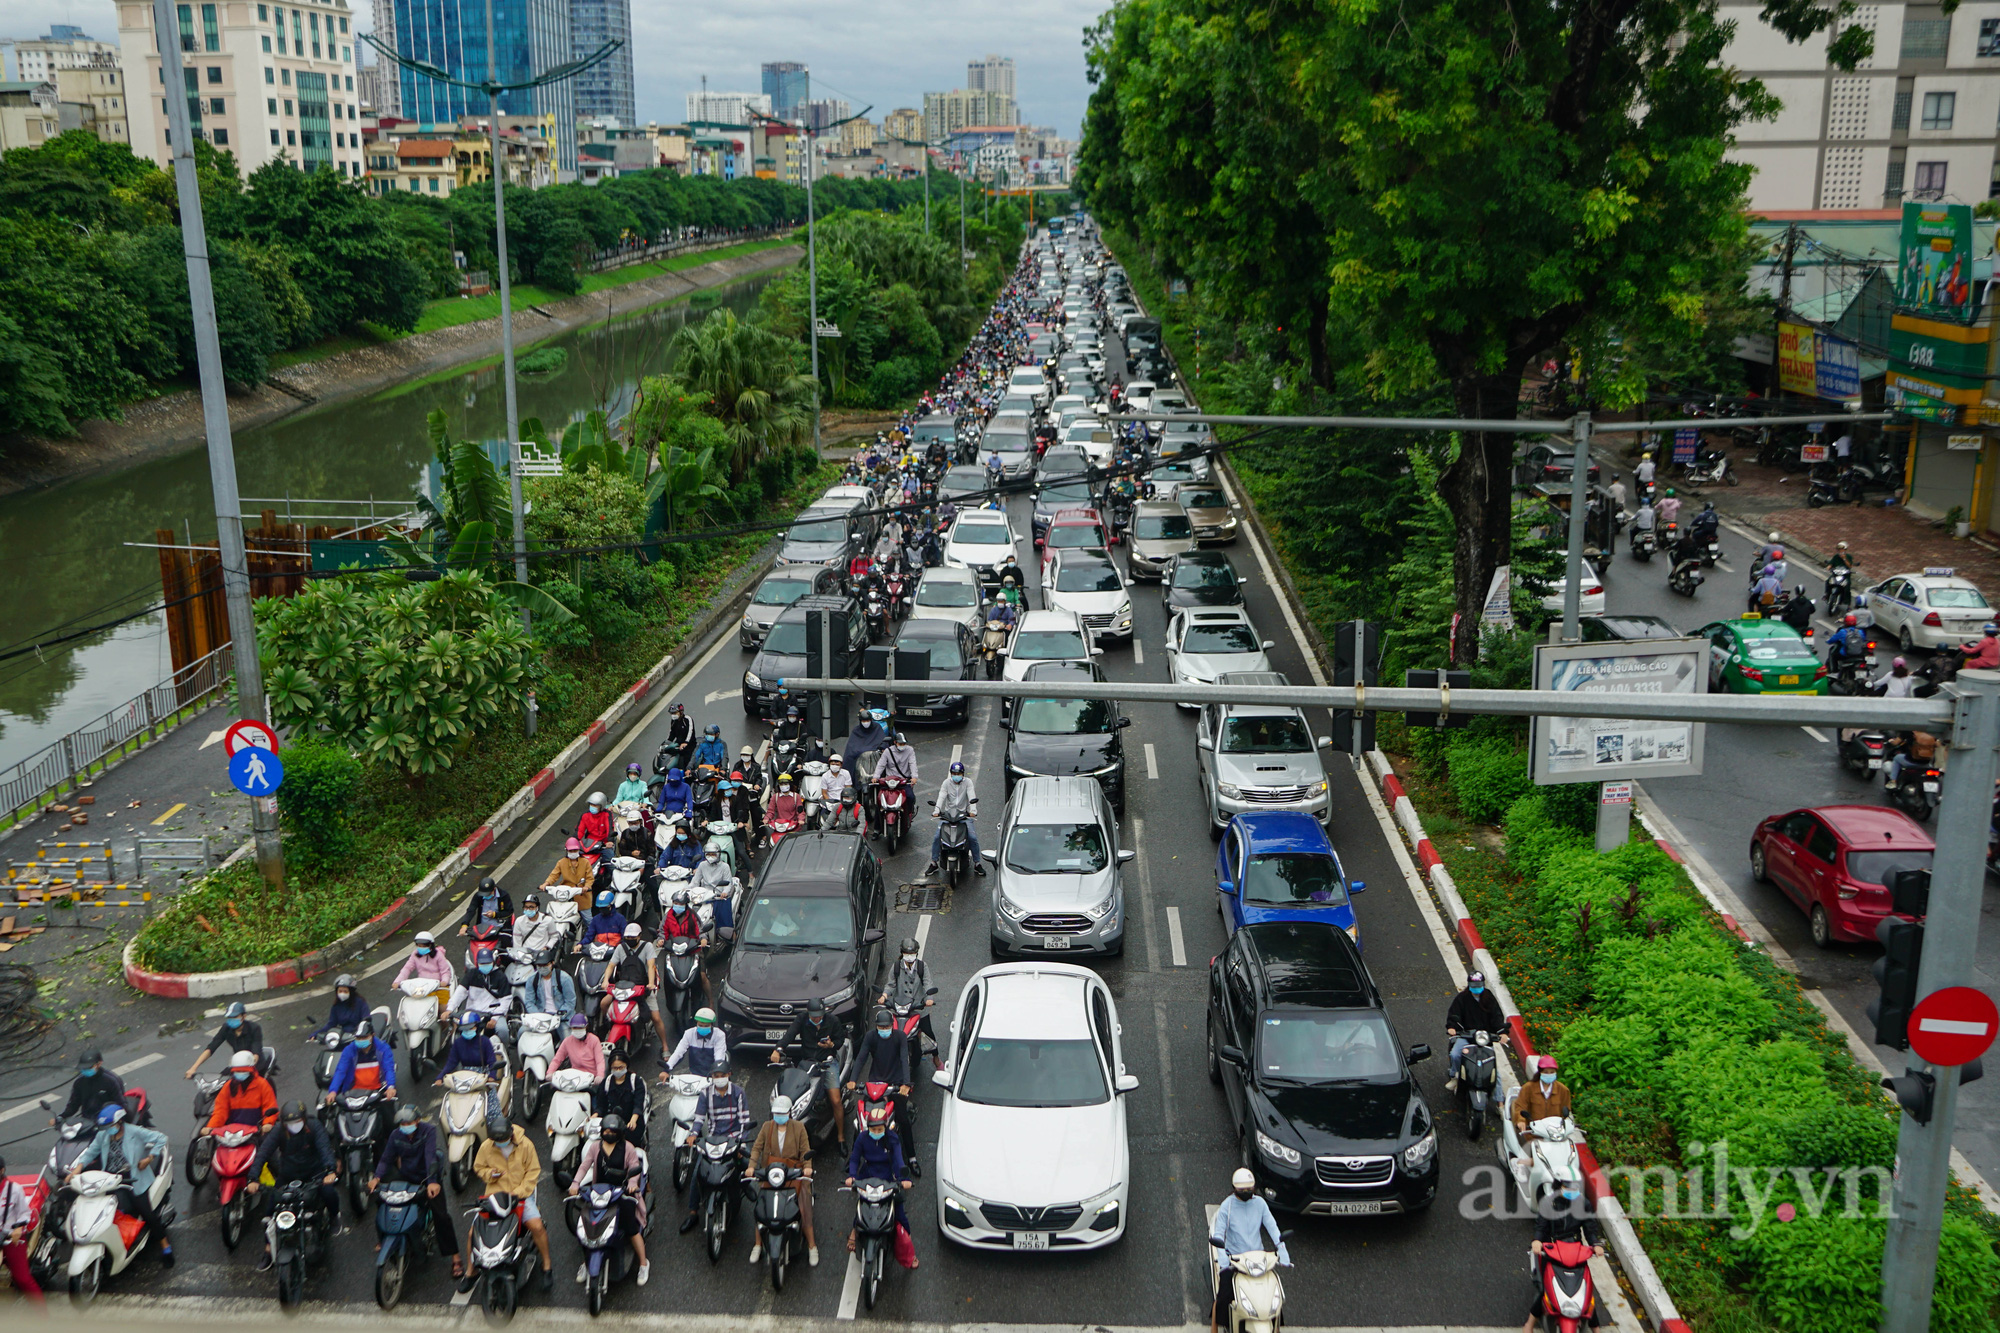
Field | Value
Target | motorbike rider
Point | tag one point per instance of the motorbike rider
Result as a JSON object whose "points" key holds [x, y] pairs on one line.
{"points": [[737, 806], [1703, 525], [794, 728], [550, 990], [239, 1032], [508, 1164], [1764, 592], [849, 810], [787, 806], [680, 921], [633, 788], [1849, 643], [473, 1049], [1769, 552], [1565, 1215], [722, 1109], [136, 1153], [245, 1098], [1540, 1098], [1669, 507], [958, 797], [782, 1141], [681, 850], [366, 1064], [910, 986], [1474, 1009], [93, 1089], [297, 1151], [703, 1046], [748, 772], [580, 1050], [426, 960], [572, 870], [676, 794], [1686, 547], [883, 1057], [485, 992], [348, 1011], [17, 1219], [900, 758], [1643, 474], [607, 919], [488, 906], [711, 751], [1914, 749], [1841, 558], [636, 962], [1241, 1224], [593, 826], [535, 931], [621, 1094], [410, 1154], [1642, 520], [816, 1035], [609, 1158], [1983, 653], [1899, 683], [678, 747], [877, 1154]]}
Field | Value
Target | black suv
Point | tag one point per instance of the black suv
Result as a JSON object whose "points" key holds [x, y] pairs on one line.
{"points": [[783, 652], [812, 929], [1319, 1088], [1068, 737], [1200, 578]]}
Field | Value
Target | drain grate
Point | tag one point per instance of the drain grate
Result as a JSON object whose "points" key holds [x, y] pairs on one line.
{"points": [[923, 896]]}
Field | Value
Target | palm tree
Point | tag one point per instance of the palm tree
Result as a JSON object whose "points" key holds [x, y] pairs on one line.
{"points": [[752, 378]]}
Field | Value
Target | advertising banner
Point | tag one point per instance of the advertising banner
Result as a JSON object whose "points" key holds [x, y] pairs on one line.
{"points": [[1601, 749], [1836, 367], [1685, 441], [1934, 269], [1796, 372]]}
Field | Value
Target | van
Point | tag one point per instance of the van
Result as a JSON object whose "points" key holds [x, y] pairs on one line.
{"points": [[812, 929]]}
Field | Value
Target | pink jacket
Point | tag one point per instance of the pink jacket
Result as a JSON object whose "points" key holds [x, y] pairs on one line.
{"points": [[585, 1053], [436, 967]]}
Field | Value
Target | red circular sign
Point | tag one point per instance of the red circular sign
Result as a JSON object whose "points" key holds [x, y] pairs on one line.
{"points": [[1953, 1026], [248, 732]]}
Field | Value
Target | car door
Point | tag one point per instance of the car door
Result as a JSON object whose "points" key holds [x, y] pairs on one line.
{"points": [[1889, 604], [1238, 1030], [1204, 750], [1812, 867], [1781, 850], [1721, 647], [1225, 863]]}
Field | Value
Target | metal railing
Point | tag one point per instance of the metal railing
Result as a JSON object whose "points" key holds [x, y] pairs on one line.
{"points": [[38, 779], [356, 514]]}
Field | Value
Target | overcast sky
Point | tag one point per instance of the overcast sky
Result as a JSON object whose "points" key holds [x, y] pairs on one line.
{"points": [[887, 53]]}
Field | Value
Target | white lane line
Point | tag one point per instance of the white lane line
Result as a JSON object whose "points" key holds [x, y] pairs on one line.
{"points": [[1815, 733], [133, 1066], [1152, 764], [850, 1290], [1138, 652], [462, 1297], [1284, 602], [956, 752], [923, 932], [1174, 936], [213, 737]]}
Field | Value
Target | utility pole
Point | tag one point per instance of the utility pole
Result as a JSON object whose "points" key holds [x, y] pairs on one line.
{"points": [[507, 344], [1579, 500], [963, 262], [1784, 304], [215, 421]]}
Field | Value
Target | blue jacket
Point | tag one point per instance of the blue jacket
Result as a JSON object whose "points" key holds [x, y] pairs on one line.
{"points": [[682, 852], [555, 994], [610, 921], [470, 1053], [343, 1072], [877, 1159], [410, 1157], [1849, 641], [676, 798], [139, 1144], [345, 1014], [712, 752]]}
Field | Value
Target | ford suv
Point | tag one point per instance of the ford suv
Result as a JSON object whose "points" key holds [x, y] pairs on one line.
{"points": [[1060, 885], [1258, 756]]}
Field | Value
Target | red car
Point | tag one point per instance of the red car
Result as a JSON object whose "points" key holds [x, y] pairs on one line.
{"points": [[1835, 862]]}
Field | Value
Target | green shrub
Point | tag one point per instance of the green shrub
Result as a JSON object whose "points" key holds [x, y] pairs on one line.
{"points": [[1596, 1051], [1824, 1275], [1488, 774], [1572, 805], [1750, 1095], [318, 791], [542, 361], [1532, 835]]}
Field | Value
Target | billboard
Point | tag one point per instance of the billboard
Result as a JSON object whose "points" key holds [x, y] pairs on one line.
{"points": [[1599, 749], [1817, 365], [1934, 266], [1796, 360]]}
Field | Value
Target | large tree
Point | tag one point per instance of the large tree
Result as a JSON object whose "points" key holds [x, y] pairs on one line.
{"points": [[1442, 191]]}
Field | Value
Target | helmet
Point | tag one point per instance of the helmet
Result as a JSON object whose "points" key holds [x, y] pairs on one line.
{"points": [[1899, 662], [815, 1007], [89, 1057], [781, 1106], [677, 708], [604, 899], [679, 898], [901, 739], [424, 937], [469, 1021], [1008, 580], [1772, 537], [1992, 628], [613, 1124], [877, 1117], [573, 845], [532, 900], [1777, 553], [406, 1114], [545, 958], [344, 981], [499, 1127], [721, 1066], [578, 1023], [633, 768], [1840, 546], [712, 731], [834, 759], [597, 798], [784, 779], [704, 1015], [243, 1060], [111, 1114], [791, 710], [294, 1110], [1849, 619], [362, 1029], [909, 944], [746, 752], [957, 766], [1670, 490], [881, 1015], [1243, 1177]]}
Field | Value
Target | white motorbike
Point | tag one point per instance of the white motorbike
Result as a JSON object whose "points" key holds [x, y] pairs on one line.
{"points": [[417, 1022], [684, 1091], [1258, 1301], [570, 1123], [97, 1246], [462, 1118], [812, 787], [535, 1050], [722, 839], [626, 874], [559, 901], [1545, 1159]]}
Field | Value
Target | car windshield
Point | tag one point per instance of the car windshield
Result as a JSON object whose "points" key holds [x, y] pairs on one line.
{"points": [[1032, 1073], [1041, 645], [946, 592], [933, 430], [1204, 500], [777, 591], [1325, 1048], [1064, 717], [1878, 867], [1161, 527], [1056, 849], [801, 923], [1293, 878], [1006, 444], [1265, 735], [1076, 537], [1966, 597], [1068, 461], [787, 636], [982, 534], [1219, 639], [828, 530], [1204, 575], [1072, 492], [944, 652], [964, 480], [1087, 578]]}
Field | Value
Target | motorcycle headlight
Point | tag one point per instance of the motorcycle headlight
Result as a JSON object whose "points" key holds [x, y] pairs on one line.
{"points": [[286, 1221], [753, 680], [1009, 907], [1277, 1151], [1418, 1156], [1229, 791]]}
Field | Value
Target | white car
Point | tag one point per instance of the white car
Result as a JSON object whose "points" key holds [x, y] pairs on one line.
{"points": [[1169, 400], [1085, 580], [1927, 610], [1030, 380], [1090, 436], [1032, 1151], [1139, 396], [1046, 636], [1204, 642], [948, 593], [1590, 603], [980, 539]]}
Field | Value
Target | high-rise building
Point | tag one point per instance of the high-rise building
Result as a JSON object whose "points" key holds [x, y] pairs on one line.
{"points": [[604, 89], [387, 81], [725, 108], [993, 74], [372, 83], [905, 122], [265, 81], [823, 112], [66, 46], [531, 37], [788, 85], [962, 108]]}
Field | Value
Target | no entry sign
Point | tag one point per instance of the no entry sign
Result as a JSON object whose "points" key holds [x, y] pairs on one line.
{"points": [[1953, 1026], [247, 733]]}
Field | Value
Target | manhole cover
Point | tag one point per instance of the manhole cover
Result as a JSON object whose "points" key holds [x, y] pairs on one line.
{"points": [[923, 897]]}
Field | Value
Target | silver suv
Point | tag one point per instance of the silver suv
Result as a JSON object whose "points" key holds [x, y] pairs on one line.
{"points": [[1060, 888], [1258, 757]]}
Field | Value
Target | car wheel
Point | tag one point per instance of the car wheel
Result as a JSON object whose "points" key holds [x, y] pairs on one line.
{"points": [[1757, 871], [1822, 927], [1903, 637]]}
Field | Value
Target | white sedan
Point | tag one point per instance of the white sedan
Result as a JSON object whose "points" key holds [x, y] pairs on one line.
{"points": [[1204, 642], [1928, 610], [1032, 1151], [980, 539], [1590, 602]]}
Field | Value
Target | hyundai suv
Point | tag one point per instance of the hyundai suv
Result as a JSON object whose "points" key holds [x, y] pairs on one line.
{"points": [[1060, 888]]}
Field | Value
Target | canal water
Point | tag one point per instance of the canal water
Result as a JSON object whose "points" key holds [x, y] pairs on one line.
{"points": [[66, 567]]}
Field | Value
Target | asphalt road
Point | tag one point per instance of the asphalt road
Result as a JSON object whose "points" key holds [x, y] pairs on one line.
{"points": [[1750, 772]]}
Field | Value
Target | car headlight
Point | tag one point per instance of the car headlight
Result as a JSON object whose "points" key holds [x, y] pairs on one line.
{"points": [[1229, 791], [841, 996], [735, 996], [1098, 911], [1353, 933], [1278, 1152], [1103, 772], [956, 1214], [749, 622], [1317, 788], [1008, 907], [1418, 1156], [753, 680], [1107, 1217]]}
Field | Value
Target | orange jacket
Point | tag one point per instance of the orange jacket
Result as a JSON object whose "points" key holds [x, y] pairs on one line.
{"points": [[254, 1096]]}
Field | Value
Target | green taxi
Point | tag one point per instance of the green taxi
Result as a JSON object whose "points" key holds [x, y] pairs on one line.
{"points": [[1753, 655]]}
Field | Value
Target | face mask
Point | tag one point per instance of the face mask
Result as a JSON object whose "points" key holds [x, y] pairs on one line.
{"points": [[722, 1085], [233, 1022], [777, 1119], [1243, 1195], [609, 1141], [486, 967], [703, 1029], [241, 1076], [1570, 1195], [958, 777], [573, 855], [296, 1126], [881, 1032], [713, 857], [406, 1129], [343, 996], [619, 1074], [1548, 1080], [364, 1043], [876, 1133], [423, 951], [529, 914], [593, 807], [1479, 990]]}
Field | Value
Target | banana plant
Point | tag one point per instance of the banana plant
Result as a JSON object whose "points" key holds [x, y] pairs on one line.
{"points": [[468, 524]]}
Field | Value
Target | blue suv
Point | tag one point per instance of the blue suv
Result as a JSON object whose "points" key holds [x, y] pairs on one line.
{"points": [[1279, 865]]}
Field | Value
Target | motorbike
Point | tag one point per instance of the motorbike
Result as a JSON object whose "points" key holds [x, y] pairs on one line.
{"points": [[624, 1020], [722, 838], [1478, 1079], [591, 975], [892, 799], [607, 1258], [98, 1247], [812, 787], [502, 1260], [680, 974], [1852, 675], [906, 1020], [400, 1228], [298, 1230], [533, 1051], [331, 1044], [807, 1084], [1258, 1302], [954, 850], [993, 648], [47, 1248], [1685, 577], [1643, 544], [1539, 1164], [874, 1232], [1569, 1294], [1917, 794], [777, 1219], [1710, 467], [417, 1022], [1796, 610], [684, 1092], [719, 1160], [569, 1122], [361, 1123], [462, 1118], [200, 1151], [877, 613], [1839, 596], [234, 1147], [1865, 751], [627, 887], [559, 901], [1821, 490], [899, 595]]}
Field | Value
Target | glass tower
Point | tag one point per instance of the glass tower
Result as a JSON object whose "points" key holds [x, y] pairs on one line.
{"points": [[789, 86], [605, 89], [531, 37]]}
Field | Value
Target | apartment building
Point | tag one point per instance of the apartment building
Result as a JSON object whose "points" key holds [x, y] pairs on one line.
{"points": [[1919, 120], [65, 46], [28, 117], [947, 113], [267, 82], [905, 122], [726, 108], [92, 97], [605, 89]]}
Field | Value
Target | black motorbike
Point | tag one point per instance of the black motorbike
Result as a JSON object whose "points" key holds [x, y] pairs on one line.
{"points": [[1685, 577], [1821, 490], [878, 618], [1643, 544], [502, 1258], [719, 1163], [1478, 1078], [360, 1125], [806, 1085], [1839, 595], [1850, 675], [1864, 750], [299, 1230], [875, 1232], [402, 1226], [1918, 792], [1796, 610], [680, 977], [954, 850], [778, 1219]]}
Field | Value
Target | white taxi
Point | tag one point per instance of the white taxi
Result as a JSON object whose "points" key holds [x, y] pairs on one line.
{"points": [[1927, 610]]}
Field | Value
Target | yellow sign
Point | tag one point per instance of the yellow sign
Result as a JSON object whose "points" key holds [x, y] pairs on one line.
{"points": [[1798, 369]]}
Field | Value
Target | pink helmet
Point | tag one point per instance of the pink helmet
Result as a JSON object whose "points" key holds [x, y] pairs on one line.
{"points": [[573, 846]]}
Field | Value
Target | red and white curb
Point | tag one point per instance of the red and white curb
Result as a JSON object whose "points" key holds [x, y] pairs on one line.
{"points": [[1632, 1257], [328, 958]]}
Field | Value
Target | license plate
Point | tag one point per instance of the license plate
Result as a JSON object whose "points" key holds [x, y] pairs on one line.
{"points": [[1062, 941], [1930, 787], [917, 712], [1788, 680], [1357, 1209], [1029, 1240], [775, 1034], [1874, 763]]}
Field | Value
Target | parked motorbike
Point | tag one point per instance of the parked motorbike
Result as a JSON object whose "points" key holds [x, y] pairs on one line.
{"points": [[502, 1260], [1712, 466], [1478, 1079], [400, 1228], [1821, 490], [778, 1219]]}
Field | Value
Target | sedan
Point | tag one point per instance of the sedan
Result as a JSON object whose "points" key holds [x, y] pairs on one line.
{"points": [[1088, 583], [1590, 602], [1837, 863], [1757, 656], [1202, 644], [980, 539], [1210, 511], [1933, 609], [1548, 462], [951, 594], [781, 587], [1032, 1151], [965, 479], [1200, 578], [949, 647]]}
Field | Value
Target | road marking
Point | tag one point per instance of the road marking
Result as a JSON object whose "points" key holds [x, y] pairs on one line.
{"points": [[213, 737], [461, 1297], [170, 814], [1152, 764], [1174, 936], [134, 1066], [1815, 733], [1138, 652], [923, 932], [956, 751], [850, 1289], [721, 694]]}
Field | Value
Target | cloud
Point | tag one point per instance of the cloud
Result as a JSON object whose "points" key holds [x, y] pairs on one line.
{"points": [[884, 53]]}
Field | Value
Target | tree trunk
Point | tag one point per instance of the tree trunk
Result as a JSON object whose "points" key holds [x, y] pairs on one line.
{"points": [[1479, 489]]}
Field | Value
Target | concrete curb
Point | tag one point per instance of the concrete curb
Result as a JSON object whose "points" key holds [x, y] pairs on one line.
{"points": [[426, 891], [1632, 1256]]}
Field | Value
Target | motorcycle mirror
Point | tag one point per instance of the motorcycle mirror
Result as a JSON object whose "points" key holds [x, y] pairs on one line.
{"points": [[1216, 1241], [1417, 1052]]}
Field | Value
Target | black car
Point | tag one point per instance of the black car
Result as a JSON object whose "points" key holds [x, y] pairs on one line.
{"points": [[812, 929], [783, 652], [1068, 737], [1200, 578], [1623, 629], [1319, 1088], [950, 646], [1060, 493], [1547, 462]]}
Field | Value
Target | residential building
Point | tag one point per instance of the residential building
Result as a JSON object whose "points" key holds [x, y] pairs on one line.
{"points": [[440, 159], [821, 113], [373, 88], [64, 47], [531, 37], [858, 136], [725, 108], [788, 85], [1919, 119], [948, 113], [92, 97], [388, 84], [905, 122], [993, 74], [28, 116], [604, 89], [267, 82], [606, 149]]}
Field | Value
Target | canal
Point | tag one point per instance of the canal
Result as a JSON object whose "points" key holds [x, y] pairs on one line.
{"points": [[67, 566]]}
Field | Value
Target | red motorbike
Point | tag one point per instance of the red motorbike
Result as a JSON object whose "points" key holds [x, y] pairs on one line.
{"points": [[778, 828], [235, 1146], [892, 798], [622, 1015], [899, 595], [1569, 1297]]}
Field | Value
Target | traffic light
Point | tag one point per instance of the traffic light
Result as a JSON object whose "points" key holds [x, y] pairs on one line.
{"points": [[1910, 893], [1357, 655], [1916, 1089], [1896, 971], [1435, 680]]}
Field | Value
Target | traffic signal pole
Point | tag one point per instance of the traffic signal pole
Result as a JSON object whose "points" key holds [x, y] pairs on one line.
{"points": [[1951, 938]]}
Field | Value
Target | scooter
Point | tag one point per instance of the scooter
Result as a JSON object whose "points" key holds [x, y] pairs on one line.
{"points": [[1839, 596], [534, 1050], [1569, 1294], [501, 1258], [1643, 544], [360, 1127], [234, 1147], [874, 1232], [684, 1092], [1866, 751], [400, 1229], [719, 1160], [607, 1258], [625, 1014], [48, 1248], [1258, 1301], [462, 1118], [559, 901], [954, 851], [778, 1218], [679, 971], [1917, 794], [812, 788], [1711, 466], [417, 1022], [331, 1044], [1821, 491], [97, 1246], [1478, 1078], [201, 1149], [569, 1122], [806, 1084], [627, 872], [877, 614], [1686, 577], [892, 799], [592, 974], [298, 1230], [722, 838], [1548, 1156]]}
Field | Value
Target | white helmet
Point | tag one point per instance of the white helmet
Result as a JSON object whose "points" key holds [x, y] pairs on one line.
{"points": [[243, 1060], [1773, 537], [597, 798], [1243, 1178]]}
